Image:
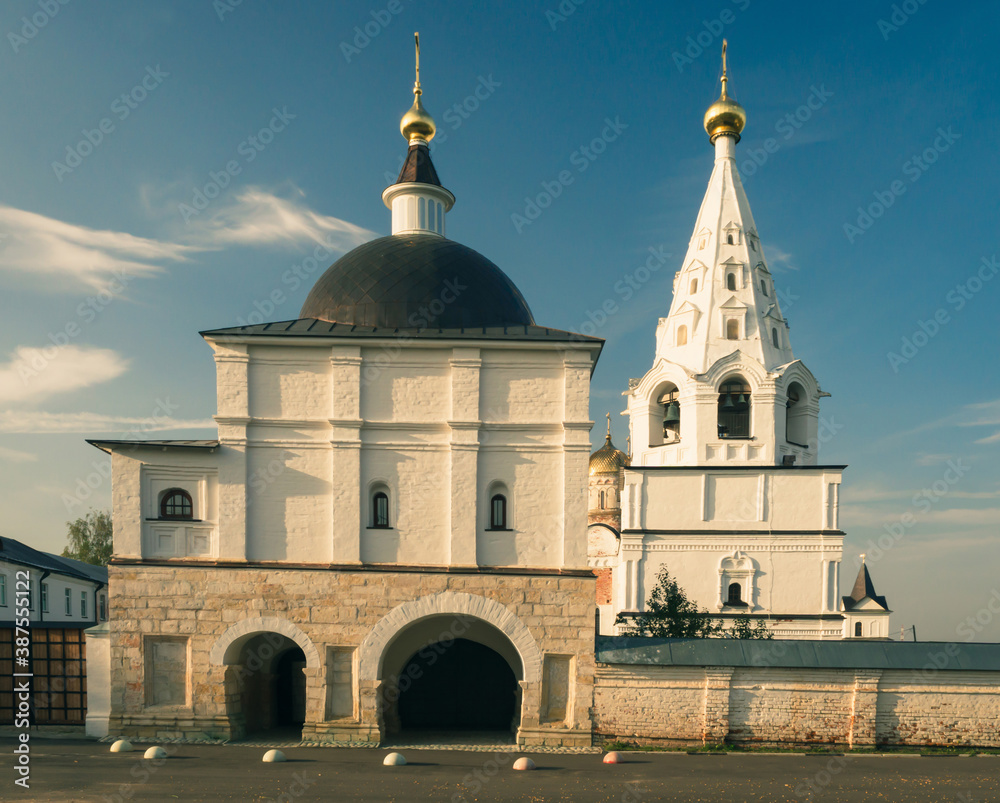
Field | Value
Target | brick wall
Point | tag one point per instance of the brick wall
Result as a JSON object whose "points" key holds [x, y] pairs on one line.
{"points": [[685, 704]]}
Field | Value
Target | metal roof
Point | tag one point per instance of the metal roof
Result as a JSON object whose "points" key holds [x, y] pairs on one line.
{"points": [[108, 445], [311, 327], [863, 587], [418, 167], [786, 653], [416, 280], [13, 551]]}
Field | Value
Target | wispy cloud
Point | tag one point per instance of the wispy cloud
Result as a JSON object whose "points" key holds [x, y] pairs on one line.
{"points": [[256, 216], [980, 414], [41, 423], [779, 260], [15, 456], [32, 374], [39, 246]]}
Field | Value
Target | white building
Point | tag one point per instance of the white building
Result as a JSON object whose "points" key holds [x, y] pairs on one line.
{"points": [[724, 485], [65, 597], [388, 533]]}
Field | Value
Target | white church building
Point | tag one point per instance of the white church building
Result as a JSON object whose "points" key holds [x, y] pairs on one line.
{"points": [[388, 533], [724, 485]]}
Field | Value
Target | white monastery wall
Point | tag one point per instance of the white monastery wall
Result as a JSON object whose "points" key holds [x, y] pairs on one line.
{"points": [[855, 708]]}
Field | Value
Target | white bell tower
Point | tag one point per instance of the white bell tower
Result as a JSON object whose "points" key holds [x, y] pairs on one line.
{"points": [[725, 387], [724, 487]]}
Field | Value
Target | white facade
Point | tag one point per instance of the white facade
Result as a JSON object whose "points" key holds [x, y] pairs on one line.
{"points": [[56, 599], [309, 433]]}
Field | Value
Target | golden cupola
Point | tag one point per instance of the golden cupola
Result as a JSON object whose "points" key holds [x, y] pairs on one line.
{"points": [[608, 459], [725, 117], [417, 125]]}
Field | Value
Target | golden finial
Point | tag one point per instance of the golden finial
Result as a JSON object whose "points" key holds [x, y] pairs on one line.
{"points": [[417, 125], [725, 116], [862, 558], [609, 425]]}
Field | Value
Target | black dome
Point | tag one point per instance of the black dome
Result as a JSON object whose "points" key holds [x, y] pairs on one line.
{"points": [[416, 281]]}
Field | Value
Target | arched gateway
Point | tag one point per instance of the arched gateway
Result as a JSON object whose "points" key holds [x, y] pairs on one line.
{"points": [[265, 678], [450, 662]]}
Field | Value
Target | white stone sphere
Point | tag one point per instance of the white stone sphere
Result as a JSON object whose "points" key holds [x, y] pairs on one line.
{"points": [[155, 752], [394, 760], [614, 757], [121, 746], [524, 763], [274, 756]]}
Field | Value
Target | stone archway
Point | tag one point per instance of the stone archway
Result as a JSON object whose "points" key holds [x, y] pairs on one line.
{"points": [[449, 647], [490, 611], [222, 652], [268, 665]]}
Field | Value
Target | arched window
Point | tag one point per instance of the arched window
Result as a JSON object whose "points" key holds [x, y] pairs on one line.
{"points": [[774, 338], [601, 503], [176, 504], [498, 512], [732, 329], [858, 629], [796, 416], [380, 510], [729, 239], [763, 287], [735, 594], [734, 408], [682, 335], [670, 415], [694, 286], [731, 279]]}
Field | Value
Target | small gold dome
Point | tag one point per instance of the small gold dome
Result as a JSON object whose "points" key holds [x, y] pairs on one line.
{"points": [[725, 116], [608, 459], [417, 123]]}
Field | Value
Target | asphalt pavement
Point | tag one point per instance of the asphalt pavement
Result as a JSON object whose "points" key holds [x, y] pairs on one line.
{"points": [[68, 771]]}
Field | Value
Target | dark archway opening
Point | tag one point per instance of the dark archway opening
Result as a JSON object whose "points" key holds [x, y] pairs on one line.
{"points": [[290, 689], [457, 685], [266, 688]]}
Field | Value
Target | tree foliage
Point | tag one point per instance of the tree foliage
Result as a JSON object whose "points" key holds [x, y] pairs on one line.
{"points": [[743, 627], [670, 614], [90, 538]]}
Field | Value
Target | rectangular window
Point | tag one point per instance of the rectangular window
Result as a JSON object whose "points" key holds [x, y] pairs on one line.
{"points": [[83, 604], [69, 602], [45, 597], [3, 590], [103, 607]]}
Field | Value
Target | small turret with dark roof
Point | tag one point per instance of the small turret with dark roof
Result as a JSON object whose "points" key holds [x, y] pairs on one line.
{"points": [[864, 589]]}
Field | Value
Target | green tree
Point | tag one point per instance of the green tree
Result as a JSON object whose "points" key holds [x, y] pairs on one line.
{"points": [[669, 614], [743, 627], [90, 538]]}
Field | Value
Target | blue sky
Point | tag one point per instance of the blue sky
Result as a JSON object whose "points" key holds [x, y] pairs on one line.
{"points": [[107, 278]]}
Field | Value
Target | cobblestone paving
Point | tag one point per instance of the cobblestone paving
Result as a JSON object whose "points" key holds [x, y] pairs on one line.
{"points": [[279, 745]]}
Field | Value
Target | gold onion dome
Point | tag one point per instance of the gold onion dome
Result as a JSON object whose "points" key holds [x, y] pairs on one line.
{"points": [[725, 116], [417, 123], [608, 459]]}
